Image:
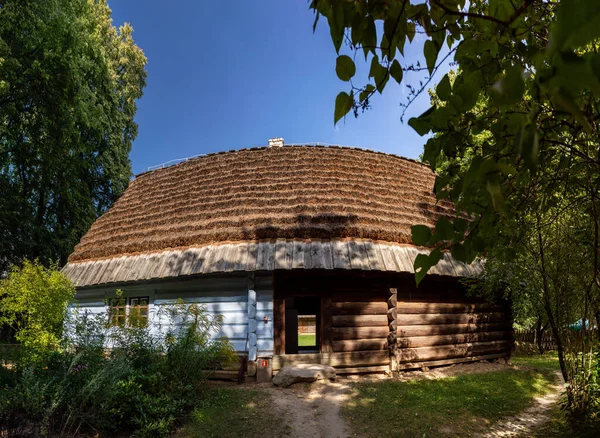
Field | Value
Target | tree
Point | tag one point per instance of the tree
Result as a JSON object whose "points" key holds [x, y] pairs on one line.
{"points": [[513, 136], [69, 82], [34, 302]]}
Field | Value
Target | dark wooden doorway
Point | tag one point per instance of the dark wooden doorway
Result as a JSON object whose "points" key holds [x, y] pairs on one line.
{"points": [[297, 307]]}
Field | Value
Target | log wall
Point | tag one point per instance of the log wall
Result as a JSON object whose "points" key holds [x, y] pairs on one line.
{"points": [[440, 327]]}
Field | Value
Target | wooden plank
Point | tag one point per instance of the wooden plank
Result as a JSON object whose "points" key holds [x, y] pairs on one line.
{"points": [[359, 320], [316, 255], [280, 262], [360, 344], [270, 256], [252, 257], [446, 266], [375, 258], [446, 329], [449, 351], [359, 332], [326, 324], [344, 360], [298, 255], [435, 363], [463, 338], [229, 253], [262, 256], [363, 370], [341, 256], [327, 255], [279, 325], [289, 254], [210, 259], [186, 261], [198, 264], [450, 318], [432, 308], [222, 375], [388, 258], [356, 255], [404, 257], [364, 255], [241, 257], [359, 308]]}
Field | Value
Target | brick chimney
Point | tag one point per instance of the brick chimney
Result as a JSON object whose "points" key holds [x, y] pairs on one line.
{"points": [[276, 142]]}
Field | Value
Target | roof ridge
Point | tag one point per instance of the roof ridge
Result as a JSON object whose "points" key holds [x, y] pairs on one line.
{"points": [[289, 145]]}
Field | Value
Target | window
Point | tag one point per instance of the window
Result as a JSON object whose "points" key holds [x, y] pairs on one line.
{"points": [[134, 313]]}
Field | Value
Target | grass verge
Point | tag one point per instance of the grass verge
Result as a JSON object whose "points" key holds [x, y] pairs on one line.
{"points": [[456, 406], [307, 340], [547, 361], [233, 412]]}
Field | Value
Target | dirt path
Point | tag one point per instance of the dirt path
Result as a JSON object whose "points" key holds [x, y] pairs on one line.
{"points": [[314, 410], [533, 417]]}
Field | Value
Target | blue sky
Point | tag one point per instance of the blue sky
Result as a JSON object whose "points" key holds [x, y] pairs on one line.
{"points": [[229, 75]]}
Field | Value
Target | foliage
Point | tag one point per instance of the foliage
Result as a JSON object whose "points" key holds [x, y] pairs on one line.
{"points": [[455, 406], [33, 302], [69, 82], [144, 384], [513, 136]]}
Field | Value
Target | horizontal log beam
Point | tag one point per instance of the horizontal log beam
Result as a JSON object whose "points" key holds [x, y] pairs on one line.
{"points": [[359, 308], [337, 360], [428, 308], [359, 332], [429, 341], [450, 351], [360, 344], [360, 320], [447, 329], [360, 370], [451, 318], [435, 363]]}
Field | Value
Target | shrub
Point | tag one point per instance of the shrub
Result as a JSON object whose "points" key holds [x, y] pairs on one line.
{"points": [[34, 300], [144, 384]]}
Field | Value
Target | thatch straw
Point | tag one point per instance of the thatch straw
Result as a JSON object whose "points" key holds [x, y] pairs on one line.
{"points": [[267, 193]]}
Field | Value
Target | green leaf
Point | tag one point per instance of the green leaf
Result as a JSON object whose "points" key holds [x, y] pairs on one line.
{"points": [[396, 71], [366, 92], [369, 37], [336, 25], [460, 225], [430, 50], [343, 104], [529, 147], [422, 124], [509, 90], [345, 68], [576, 24], [495, 191], [444, 89], [421, 235], [410, 30], [423, 263], [444, 229], [379, 73]]}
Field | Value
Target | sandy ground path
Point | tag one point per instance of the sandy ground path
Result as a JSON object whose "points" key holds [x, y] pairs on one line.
{"points": [[524, 423], [314, 410]]}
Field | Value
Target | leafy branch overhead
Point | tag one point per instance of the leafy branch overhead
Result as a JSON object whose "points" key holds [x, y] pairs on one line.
{"points": [[522, 100]]}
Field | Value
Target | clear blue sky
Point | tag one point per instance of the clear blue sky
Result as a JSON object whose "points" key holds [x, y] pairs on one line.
{"points": [[229, 75]]}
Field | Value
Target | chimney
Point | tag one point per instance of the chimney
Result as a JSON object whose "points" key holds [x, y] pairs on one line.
{"points": [[276, 142]]}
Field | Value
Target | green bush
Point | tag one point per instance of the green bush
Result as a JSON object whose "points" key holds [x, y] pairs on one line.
{"points": [[144, 384]]}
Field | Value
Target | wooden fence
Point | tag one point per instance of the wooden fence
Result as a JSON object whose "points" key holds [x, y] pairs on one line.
{"points": [[574, 338]]}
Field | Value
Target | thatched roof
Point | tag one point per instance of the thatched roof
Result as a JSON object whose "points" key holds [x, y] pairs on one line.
{"points": [[290, 192], [280, 254]]}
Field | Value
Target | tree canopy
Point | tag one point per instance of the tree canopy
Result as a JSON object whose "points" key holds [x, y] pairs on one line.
{"points": [[527, 75], [69, 82]]}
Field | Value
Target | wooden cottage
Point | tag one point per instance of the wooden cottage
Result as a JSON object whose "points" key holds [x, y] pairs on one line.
{"points": [[270, 236]]}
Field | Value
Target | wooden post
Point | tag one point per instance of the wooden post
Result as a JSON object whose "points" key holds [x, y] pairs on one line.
{"points": [[326, 341], [279, 325], [392, 337], [252, 326]]}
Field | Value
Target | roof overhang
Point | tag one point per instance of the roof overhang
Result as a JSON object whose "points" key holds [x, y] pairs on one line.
{"points": [[281, 254]]}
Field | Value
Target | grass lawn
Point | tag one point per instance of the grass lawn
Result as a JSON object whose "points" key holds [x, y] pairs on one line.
{"points": [[548, 361], [307, 340], [456, 406], [233, 412]]}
